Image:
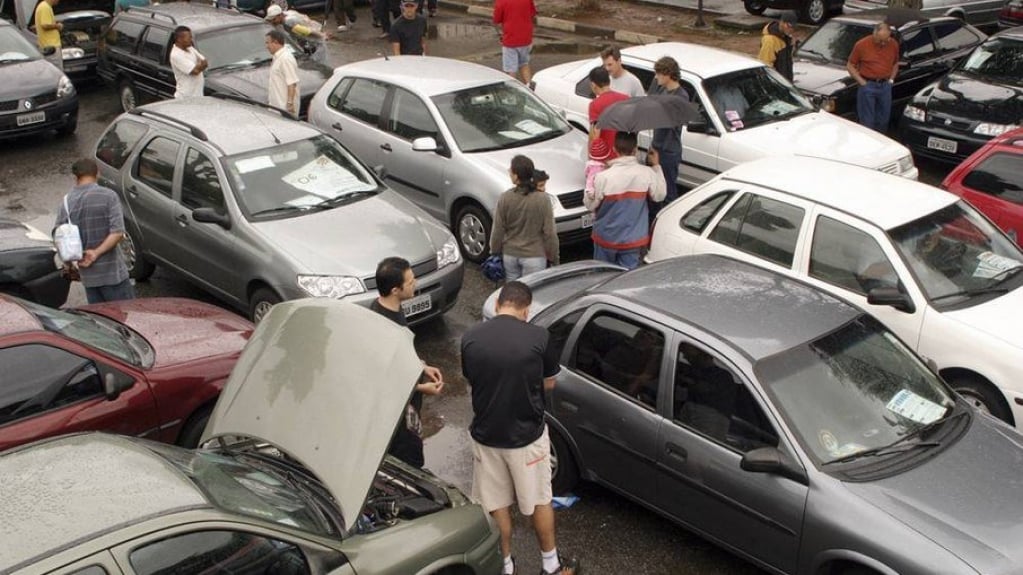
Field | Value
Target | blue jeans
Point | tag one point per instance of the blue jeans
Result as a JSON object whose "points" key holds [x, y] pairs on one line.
{"points": [[874, 105], [515, 267], [628, 259], [100, 294], [669, 166]]}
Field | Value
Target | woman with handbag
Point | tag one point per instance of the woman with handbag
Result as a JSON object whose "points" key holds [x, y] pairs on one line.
{"points": [[524, 232]]}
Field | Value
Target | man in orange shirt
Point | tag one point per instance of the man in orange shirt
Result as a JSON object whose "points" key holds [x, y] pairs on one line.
{"points": [[874, 63]]}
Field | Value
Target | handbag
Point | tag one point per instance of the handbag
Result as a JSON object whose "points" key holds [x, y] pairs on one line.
{"points": [[67, 239], [493, 268]]}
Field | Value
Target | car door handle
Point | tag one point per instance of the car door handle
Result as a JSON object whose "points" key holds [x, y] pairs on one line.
{"points": [[676, 451], [568, 406], [337, 126], [386, 147], [182, 220], [132, 191]]}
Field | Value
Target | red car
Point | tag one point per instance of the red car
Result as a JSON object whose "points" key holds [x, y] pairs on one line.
{"points": [[992, 180], [146, 367]]}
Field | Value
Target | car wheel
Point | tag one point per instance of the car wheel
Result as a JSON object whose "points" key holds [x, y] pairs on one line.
{"points": [[981, 395], [129, 97], [472, 228], [139, 268], [261, 302], [69, 128], [814, 11], [191, 433], [755, 7], [564, 471]]}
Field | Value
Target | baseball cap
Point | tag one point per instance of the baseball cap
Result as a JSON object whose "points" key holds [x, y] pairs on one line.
{"points": [[409, 3], [788, 18], [599, 150], [273, 11]]}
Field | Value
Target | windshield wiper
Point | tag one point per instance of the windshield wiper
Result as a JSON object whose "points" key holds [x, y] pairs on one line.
{"points": [[972, 293], [240, 64], [819, 56], [284, 209], [899, 445], [344, 199]]}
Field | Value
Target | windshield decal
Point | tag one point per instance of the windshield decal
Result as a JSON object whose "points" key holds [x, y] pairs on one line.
{"points": [[324, 178], [991, 265], [915, 408], [253, 164]]}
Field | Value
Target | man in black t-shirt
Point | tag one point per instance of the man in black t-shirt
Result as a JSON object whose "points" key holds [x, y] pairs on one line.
{"points": [[509, 365], [396, 283], [408, 33]]}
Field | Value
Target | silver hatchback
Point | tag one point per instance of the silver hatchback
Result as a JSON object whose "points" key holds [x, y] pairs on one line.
{"points": [[258, 208]]}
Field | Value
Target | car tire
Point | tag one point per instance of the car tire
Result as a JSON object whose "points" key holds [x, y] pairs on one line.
{"points": [[472, 229], [814, 11], [139, 268], [128, 95], [69, 128], [981, 395], [261, 302], [755, 7], [191, 432], [564, 470]]}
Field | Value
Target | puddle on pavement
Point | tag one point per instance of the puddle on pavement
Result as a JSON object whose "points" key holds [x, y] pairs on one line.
{"points": [[461, 31], [583, 48]]}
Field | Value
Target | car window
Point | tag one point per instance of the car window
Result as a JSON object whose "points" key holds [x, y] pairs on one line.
{"points": [[560, 331], [1000, 59], [338, 93], [155, 44], [124, 35], [216, 552], [710, 399], [623, 355], [645, 76], [833, 41], [696, 219], [364, 101], [999, 175], [849, 258], [754, 97], [763, 227], [200, 186], [90, 570], [583, 89], [15, 48], [917, 44], [410, 118], [242, 45], [156, 164], [116, 145], [38, 378], [954, 35]]}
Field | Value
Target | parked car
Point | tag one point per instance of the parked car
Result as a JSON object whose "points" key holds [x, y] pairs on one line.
{"points": [[445, 131], [257, 207], [992, 180], [928, 47], [921, 260], [35, 97], [750, 112], [1011, 14], [27, 265], [84, 22], [980, 13], [810, 11], [264, 495], [258, 7], [980, 98], [145, 367], [134, 55], [775, 420]]}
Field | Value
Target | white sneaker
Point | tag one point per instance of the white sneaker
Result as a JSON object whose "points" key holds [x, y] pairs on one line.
{"points": [[342, 28]]}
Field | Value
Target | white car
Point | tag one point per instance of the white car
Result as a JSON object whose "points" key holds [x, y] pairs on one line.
{"points": [[924, 262], [750, 112], [445, 132]]}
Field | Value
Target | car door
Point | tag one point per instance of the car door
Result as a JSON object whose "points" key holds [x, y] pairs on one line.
{"points": [[714, 416], [607, 392], [51, 391], [155, 76], [353, 116], [119, 55], [419, 176], [149, 191], [678, 229], [919, 63]]}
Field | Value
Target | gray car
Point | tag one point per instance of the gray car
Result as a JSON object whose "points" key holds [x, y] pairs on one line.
{"points": [[258, 208], [981, 13], [775, 420]]}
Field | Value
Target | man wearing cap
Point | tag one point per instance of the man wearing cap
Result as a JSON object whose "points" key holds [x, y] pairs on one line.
{"points": [[776, 44], [873, 63], [408, 33], [301, 28], [604, 96]]}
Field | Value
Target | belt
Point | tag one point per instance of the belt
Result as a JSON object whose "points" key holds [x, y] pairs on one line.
{"points": [[876, 79]]}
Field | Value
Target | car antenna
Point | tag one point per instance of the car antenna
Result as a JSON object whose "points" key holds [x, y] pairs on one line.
{"points": [[267, 128]]}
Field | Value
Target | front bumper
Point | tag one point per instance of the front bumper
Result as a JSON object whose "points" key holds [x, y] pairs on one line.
{"points": [[57, 115], [79, 69], [573, 224], [442, 285], [914, 135]]}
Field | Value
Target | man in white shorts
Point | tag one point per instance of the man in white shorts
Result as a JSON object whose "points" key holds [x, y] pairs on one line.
{"points": [[516, 19], [509, 365]]}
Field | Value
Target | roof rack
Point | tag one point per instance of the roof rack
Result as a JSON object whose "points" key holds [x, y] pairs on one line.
{"points": [[242, 99], [196, 132], [145, 11]]}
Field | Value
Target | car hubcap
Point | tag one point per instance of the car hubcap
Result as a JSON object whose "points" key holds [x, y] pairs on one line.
{"points": [[127, 99], [472, 234], [262, 308], [974, 400], [128, 251], [816, 10]]}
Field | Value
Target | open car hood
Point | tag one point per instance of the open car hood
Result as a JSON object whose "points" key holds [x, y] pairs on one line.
{"points": [[326, 382]]}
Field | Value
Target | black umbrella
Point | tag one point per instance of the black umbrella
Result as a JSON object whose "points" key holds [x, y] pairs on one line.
{"points": [[648, 112]]}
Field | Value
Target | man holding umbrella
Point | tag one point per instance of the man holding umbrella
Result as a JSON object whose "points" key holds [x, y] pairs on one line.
{"points": [[668, 139]]}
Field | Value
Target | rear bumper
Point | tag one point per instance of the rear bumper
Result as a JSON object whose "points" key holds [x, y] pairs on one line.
{"points": [[58, 115], [914, 135]]}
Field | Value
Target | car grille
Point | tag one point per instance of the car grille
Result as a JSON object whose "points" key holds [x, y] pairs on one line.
{"points": [[946, 121], [571, 199], [575, 236], [37, 101], [421, 269]]}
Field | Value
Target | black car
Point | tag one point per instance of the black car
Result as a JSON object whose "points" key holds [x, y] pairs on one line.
{"points": [[980, 99], [84, 22], [929, 48], [134, 55], [35, 96], [27, 266], [810, 11]]}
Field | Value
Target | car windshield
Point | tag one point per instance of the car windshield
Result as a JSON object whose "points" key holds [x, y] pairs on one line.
{"points": [[233, 47], [15, 48], [750, 98], [999, 59], [956, 254], [498, 116], [314, 173], [833, 42], [856, 389], [95, 331]]}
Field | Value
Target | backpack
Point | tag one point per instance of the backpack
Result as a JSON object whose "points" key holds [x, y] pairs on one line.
{"points": [[493, 268], [67, 239]]}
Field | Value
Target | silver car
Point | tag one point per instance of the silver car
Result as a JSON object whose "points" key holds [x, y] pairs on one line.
{"points": [[258, 208], [445, 131]]}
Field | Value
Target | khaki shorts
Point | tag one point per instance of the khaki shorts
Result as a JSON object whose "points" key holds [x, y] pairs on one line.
{"points": [[501, 477]]}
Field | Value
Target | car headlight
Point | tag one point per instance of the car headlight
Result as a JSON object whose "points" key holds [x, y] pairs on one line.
{"points": [[554, 201], [905, 163], [335, 287], [72, 53], [988, 129], [915, 113], [448, 254], [825, 103], [64, 87]]}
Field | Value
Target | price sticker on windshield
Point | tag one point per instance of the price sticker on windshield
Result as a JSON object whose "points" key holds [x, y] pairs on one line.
{"points": [[990, 265], [915, 408]]}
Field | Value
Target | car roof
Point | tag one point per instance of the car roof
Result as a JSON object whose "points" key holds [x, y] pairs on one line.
{"points": [[885, 200], [233, 126], [704, 61], [897, 17], [198, 17], [428, 75], [14, 318], [74, 488], [758, 311]]}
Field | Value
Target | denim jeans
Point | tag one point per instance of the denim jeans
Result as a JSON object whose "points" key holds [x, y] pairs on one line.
{"points": [[116, 292], [874, 105], [669, 166], [515, 267], [628, 259]]}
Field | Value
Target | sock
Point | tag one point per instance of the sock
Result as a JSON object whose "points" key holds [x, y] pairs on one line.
{"points": [[550, 560], [509, 566]]}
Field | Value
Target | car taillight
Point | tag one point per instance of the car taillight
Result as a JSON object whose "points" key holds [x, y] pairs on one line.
{"points": [[1013, 10]]}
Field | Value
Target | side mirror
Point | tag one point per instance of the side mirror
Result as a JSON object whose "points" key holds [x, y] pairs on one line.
{"points": [[425, 144], [891, 296], [211, 216], [381, 171], [701, 126], [114, 383], [770, 460], [49, 50]]}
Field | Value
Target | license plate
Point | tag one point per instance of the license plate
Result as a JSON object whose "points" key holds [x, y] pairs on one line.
{"points": [[417, 305], [586, 221], [942, 144], [33, 118]]}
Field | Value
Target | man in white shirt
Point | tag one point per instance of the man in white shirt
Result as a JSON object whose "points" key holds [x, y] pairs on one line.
{"points": [[188, 65], [283, 89], [622, 80]]}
